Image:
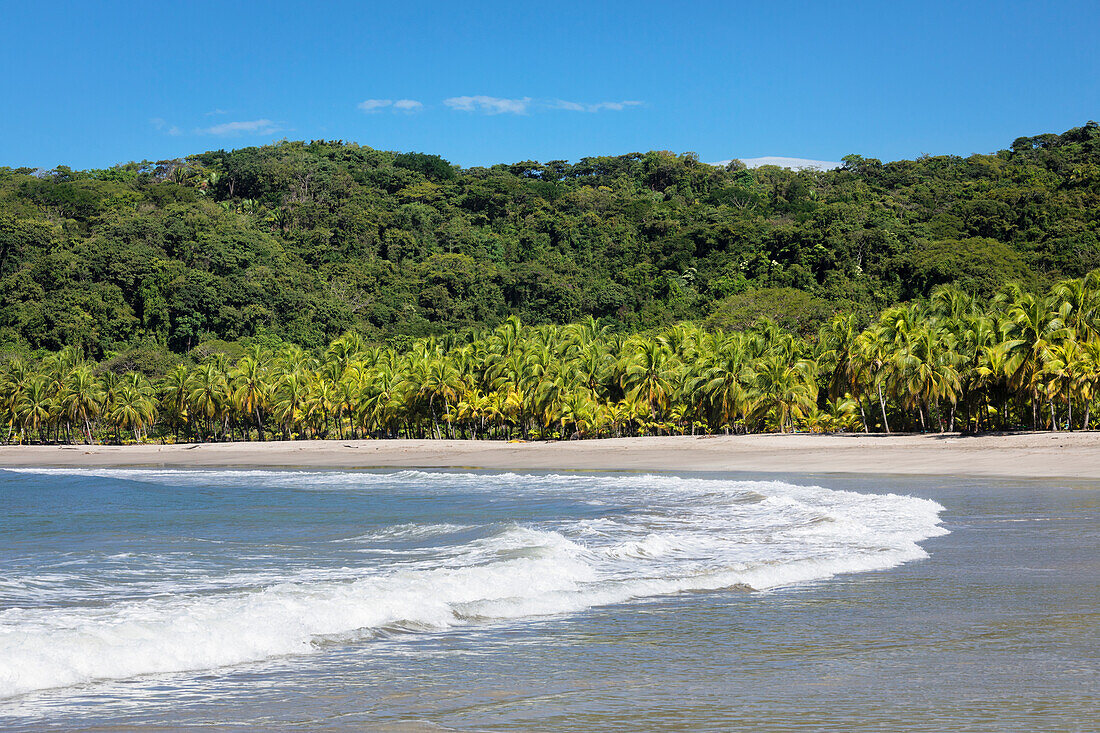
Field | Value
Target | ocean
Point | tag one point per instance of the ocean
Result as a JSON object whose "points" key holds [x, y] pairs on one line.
{"points": [[466, 600]]}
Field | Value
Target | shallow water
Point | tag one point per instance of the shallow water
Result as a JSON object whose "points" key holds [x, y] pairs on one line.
{"points": [[476, 601]]}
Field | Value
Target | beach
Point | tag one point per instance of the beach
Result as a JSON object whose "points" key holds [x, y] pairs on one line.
{"points": [[1022, 455]]}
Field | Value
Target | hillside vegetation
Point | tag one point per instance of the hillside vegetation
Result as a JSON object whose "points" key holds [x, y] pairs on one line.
{"points": [[301, 242]]}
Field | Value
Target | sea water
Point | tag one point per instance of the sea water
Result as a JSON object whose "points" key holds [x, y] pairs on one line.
{"points": [[442, 600]]}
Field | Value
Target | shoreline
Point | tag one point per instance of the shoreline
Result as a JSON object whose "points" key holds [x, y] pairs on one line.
{"points": [[1040, 455]]}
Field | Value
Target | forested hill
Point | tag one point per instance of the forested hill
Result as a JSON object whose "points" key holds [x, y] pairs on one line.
{"points": [[304, 241]]}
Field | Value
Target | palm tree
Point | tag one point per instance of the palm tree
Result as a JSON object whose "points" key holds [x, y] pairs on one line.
{"points": [[1031, 327], [925, 365], [251, 391], [344, 350], [723, 382], [841, 341], [1065, 372], [16, 376], [1089, 377], [208, 395], [579, 410], [1079, 302], [322, 402], [439, 380], [471, 411], [348, 391], [382, 402], [291, 401], [175, 390], [81, 399], [134, 408], [547, 398], [972, 336], [991, 379], [35, 407], [874, 357], [647, 374], [785, 391]]}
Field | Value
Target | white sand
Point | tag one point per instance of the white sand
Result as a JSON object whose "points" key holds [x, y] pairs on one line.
{"points": [[1025, 455]]}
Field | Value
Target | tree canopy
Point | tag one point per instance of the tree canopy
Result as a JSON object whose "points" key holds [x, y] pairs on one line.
{"points": [[303, 241]]}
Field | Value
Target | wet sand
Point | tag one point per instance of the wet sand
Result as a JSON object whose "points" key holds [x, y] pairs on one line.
{"points": [[1021, 455]]}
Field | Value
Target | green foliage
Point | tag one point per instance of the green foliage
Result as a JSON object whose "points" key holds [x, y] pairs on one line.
{"points": [[148, 361], [790, 309], [432, 167], [950, 361], [303, 241], [979, 265]]}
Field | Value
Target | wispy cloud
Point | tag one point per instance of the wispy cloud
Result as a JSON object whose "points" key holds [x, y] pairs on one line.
{"points": [[597, 107], [526, 105], [372, 106], [216, 112], [489, 105], [162, 125], [253, 127], [225, 129]]}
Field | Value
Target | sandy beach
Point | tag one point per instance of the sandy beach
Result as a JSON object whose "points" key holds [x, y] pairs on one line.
{"points": [[1025, 455]]}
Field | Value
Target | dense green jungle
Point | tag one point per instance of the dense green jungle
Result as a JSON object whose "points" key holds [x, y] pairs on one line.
{"points": [[327, 289]]}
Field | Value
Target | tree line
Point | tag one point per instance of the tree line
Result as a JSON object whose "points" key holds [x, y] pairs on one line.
{"points": [[952, 361], [302, 241]]}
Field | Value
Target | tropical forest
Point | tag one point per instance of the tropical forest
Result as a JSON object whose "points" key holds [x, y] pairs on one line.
{"points": [[326, 289]]}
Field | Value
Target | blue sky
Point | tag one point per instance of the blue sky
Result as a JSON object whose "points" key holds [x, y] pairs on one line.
{"points": [[93, 84]]}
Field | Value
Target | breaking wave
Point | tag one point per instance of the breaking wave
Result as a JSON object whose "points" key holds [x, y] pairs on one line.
{"points": [[660, 535]]}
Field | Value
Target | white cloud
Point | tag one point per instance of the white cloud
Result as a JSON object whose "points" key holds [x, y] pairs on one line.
{"points": [[254, 127], [216, 112], [797, 164], [524, 105], [489, 105], [571, 106], [375, 105], [597, 107], [615, 106]]}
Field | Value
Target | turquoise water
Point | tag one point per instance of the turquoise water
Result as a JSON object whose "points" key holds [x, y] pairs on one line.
{"points": [[485, 601]]}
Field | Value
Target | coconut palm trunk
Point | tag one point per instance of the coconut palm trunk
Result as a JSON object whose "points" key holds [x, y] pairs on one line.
{"points": [[882, 406]]}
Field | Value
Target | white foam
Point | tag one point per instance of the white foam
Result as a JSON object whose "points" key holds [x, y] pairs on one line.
{"points": [[406, 531], [672, 535]]}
